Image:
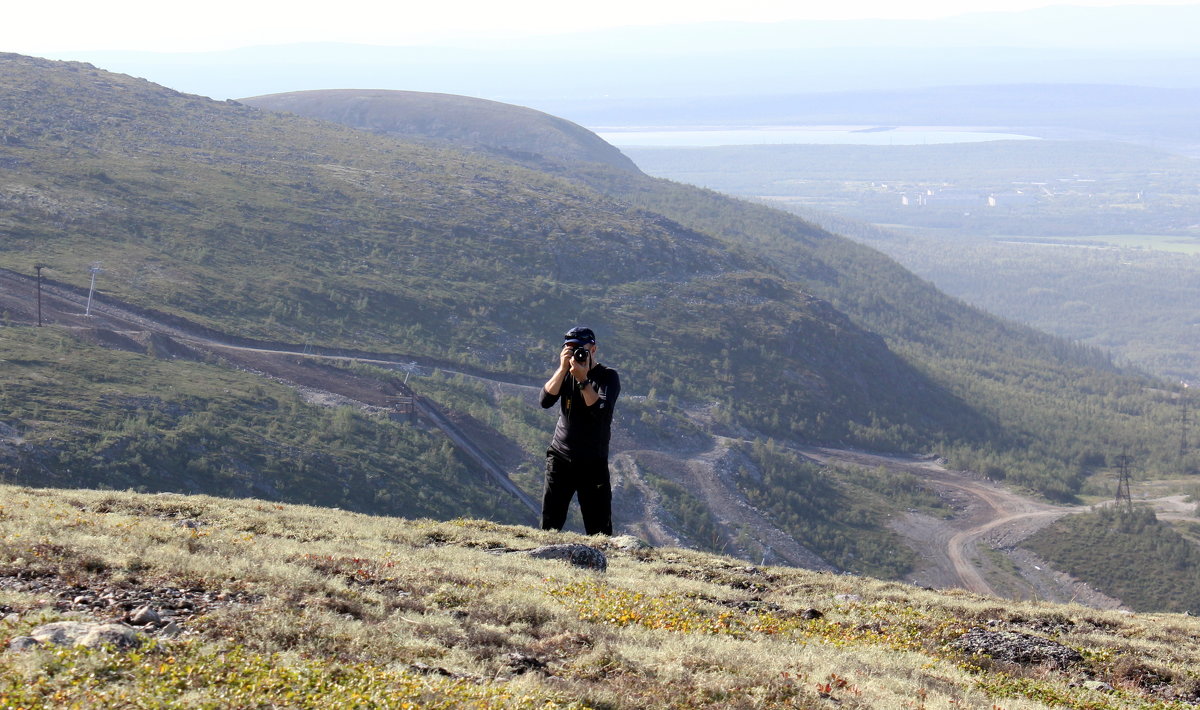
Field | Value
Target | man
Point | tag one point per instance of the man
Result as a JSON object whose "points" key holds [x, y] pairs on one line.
{"points": [[577, 461]]}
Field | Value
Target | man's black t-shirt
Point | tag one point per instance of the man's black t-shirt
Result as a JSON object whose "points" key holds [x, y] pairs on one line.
{"points": [[582, 432]]}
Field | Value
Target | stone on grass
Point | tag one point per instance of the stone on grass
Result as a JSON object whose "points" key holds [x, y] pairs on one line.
{"points": [[143, 615], [520, 663], [90, 635], [574, 553], [23, 643], [628, 543]]}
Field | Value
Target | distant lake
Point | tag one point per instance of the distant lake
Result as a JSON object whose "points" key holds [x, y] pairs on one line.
{"points": [[819, 135]]}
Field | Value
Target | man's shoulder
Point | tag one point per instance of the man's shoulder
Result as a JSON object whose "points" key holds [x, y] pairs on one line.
{"points": [[604, 371]]}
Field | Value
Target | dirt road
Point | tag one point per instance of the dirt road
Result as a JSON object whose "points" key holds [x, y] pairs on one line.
{"points": [[989, 521], [949, 548]]}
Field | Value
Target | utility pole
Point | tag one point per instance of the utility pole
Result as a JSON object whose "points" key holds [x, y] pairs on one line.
{"points": [[1123, 481], [95, 269], [1183, 425], [38, 268]]}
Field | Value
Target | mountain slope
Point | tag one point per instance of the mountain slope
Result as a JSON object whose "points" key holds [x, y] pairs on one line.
{"points": [[269, 225], [1030, 417]]}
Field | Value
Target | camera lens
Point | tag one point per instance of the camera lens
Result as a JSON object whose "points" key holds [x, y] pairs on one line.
{"points": [[580, 354]]}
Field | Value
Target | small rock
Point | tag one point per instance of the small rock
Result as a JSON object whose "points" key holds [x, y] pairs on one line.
{"points": [[75, 633], [144, 615], [524, 663], [847, 597], [576, 554], [1098, 685], [23, 643], [628, 543], [811, 614], [171, 630], [12, 618], [81, 600]]}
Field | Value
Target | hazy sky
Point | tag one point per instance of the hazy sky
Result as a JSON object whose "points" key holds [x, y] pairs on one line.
{"points": [[154, 25]]}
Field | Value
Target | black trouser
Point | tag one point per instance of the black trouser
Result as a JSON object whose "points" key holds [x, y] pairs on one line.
{"points": [[587, 478]]}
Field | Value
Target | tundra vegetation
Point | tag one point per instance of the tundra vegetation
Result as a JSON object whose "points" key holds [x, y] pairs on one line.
{"points": [[315, 607]]}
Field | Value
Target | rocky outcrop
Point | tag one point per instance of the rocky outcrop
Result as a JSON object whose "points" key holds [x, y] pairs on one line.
{"points": [[1015, 647]]}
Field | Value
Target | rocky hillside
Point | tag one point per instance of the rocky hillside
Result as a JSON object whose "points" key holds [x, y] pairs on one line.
{"points": [[207, 602]]}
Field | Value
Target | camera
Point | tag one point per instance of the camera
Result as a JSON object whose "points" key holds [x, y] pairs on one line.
{"points": [[580, 354]]}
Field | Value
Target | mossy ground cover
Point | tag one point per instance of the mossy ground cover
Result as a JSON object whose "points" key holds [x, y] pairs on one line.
{"points": [[347, 610]]}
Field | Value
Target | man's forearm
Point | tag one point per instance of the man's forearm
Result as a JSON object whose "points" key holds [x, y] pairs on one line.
{"points": [[554, 384]]}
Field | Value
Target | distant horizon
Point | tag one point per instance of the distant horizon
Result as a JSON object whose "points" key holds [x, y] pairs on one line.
{"points": [[692, 137], [141, 26]]}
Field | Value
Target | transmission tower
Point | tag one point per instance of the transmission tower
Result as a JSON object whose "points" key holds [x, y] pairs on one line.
{"points": [[1123, 481], [95, 269]]}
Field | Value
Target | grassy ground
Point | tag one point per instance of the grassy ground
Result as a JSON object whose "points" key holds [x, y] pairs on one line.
{"points": [[338, 609]]}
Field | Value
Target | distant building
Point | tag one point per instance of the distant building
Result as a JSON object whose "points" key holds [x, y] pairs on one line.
{"points": [[955, 198]]}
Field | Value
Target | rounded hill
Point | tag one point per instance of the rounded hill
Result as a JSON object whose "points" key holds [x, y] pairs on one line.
{"points": [[477, 124]]}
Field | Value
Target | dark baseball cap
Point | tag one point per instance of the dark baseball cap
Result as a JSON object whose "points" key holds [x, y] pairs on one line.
{"points": [[579, 336]]}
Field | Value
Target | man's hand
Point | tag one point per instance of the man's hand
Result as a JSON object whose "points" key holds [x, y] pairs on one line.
{"points": [[579, 369], [567, 364]]}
